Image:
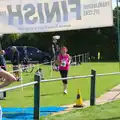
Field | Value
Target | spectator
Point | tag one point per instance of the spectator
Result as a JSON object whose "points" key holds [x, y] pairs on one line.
{"points": [[2, 60], [15, 62], [55, 47]]}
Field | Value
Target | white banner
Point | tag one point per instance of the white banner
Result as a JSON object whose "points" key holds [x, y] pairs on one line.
{"points": [[26, 16]]}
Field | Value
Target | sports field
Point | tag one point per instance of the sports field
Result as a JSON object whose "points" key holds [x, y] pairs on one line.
{"points": [[52, 93], [109, 111]]}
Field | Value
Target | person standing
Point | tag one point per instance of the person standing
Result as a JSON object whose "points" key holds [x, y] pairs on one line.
{"points": [[63, 61], [7, 78], [15, 62], [55, 51], [2, 60], [55, 46], [25, 59]]}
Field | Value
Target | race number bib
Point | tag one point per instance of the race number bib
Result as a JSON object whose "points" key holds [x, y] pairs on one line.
{"points": [[63, 63]]}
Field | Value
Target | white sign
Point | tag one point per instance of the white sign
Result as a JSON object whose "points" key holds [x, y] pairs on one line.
{"points": [[26, 16]]}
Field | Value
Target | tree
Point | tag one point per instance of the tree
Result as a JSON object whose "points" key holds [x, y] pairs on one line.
{"points": [[9, 39]]}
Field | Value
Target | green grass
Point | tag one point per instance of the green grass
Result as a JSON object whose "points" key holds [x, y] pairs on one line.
{"points": [[108, 111], [51, 93]]}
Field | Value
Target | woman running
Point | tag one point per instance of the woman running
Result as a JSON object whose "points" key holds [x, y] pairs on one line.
{"points": [[63, 60]]}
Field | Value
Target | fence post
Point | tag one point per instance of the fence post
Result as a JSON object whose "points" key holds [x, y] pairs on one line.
{"points": [[82, 58], [92, 92], [75, 59], [37, 78]]}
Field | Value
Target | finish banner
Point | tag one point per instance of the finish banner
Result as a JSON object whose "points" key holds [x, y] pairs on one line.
{"points": [[29, 16]]}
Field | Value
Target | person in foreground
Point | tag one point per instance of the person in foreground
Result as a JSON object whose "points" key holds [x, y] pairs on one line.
{"points": [[63, 60], [8, 78]]}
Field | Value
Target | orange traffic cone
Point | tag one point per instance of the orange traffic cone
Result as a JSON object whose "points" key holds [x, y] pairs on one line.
{"points": [[79, 102]]}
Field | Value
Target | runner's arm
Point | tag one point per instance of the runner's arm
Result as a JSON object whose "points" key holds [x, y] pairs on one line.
{"points": [[57, 61]]}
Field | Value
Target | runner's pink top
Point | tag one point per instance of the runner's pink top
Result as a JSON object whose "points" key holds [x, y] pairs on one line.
{"points": [[64, 62]]}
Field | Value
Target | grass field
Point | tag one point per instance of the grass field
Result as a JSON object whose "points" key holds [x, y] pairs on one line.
{"points": [[51, 93], [109, 111]]}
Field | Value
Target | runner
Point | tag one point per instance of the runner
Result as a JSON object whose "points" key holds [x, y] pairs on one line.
{"points": [[63, 61]]}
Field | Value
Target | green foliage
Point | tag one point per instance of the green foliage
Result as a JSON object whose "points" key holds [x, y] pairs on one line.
{"points": [[14, 37], [9, 39]]}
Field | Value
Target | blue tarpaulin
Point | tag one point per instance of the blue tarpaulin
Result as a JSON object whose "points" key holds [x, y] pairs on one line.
{"points": [[27, 113]]}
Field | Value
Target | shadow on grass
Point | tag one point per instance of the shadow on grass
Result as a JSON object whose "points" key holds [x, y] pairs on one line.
{"points": [[45, 94], [113, 118], [49, 94], [3, 99], [18, 115], [29, 96]]}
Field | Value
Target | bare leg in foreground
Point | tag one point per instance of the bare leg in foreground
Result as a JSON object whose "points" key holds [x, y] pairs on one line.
{"points": [[9, 78]]}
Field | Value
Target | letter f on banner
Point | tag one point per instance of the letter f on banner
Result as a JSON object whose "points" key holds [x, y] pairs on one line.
{"points": [[77, 9]]}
